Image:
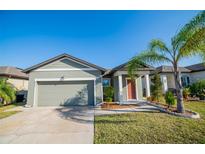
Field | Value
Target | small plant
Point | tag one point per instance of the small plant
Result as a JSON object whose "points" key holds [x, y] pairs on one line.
{"points": [[156, 88], [186, 93], [198, 89], [169, 99], [108, 93]]}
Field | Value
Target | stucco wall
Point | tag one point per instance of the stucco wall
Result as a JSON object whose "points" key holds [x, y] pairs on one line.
{"points": [[196, 76], [20, 84]]}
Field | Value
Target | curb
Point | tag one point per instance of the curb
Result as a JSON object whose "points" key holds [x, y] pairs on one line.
{"points": [[194, 115]]}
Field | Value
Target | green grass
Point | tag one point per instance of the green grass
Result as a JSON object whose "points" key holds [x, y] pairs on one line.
{"points": [[151, 127], [4, 113]]}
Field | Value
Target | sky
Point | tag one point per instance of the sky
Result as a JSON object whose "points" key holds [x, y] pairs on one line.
{"points": [[105, 38]]}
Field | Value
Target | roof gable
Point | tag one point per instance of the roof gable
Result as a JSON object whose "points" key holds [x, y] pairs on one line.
{"points": [[63, 59]]}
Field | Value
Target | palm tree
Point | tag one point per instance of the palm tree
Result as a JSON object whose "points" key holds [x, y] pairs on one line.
{"points": [[189, 41], [7, 91]]}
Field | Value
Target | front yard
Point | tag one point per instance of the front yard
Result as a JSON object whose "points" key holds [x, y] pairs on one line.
{"points": [[4, 113], [151, 127]]}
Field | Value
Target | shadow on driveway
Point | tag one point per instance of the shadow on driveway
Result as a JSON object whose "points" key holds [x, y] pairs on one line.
{"points": [[77, 113]]}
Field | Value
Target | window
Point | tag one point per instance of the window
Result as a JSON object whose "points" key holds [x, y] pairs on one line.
{"points": [[106, 82], [185, 80]]}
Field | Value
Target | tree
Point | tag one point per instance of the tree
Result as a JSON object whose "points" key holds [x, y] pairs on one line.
{"points": [[7, 91], [156, 88], [189, 41]]}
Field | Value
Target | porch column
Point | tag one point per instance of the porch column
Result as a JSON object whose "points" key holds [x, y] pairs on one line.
{"points": [[120, 96], [164, 83], [147, 85]]}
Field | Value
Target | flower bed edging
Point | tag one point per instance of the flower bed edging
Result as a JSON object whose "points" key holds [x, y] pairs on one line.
{"points": [[194, 115]]}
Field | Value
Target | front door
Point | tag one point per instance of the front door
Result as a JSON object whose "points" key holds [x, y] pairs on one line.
{"points": [[131, 89]]}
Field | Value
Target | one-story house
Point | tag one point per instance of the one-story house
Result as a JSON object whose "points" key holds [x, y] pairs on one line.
{"points": [[189, 75], [65, 80], [17, 78]]}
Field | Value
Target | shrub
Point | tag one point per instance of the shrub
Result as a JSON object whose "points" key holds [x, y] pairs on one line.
{"points": [[108, 94], [7, 92], [169, 98], [186, 92], [156, 88], [198, 89]]}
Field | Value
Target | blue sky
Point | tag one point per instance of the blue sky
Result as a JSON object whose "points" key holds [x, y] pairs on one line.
{"points": [[105, 38]]}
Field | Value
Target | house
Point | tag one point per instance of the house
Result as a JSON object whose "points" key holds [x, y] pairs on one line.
{"points": [[125, 89], [17, 78], [65, 80], [189, 75], [197, 72]]}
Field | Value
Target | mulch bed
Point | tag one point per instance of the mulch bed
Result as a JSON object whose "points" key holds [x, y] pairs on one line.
{"points": [[109, 105], [173, 110]]}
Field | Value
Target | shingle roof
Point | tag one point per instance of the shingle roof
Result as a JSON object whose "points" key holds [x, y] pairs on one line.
{"points": [[197, 67], [167, 69], [60, 57], [123, 67], [14, 72]]}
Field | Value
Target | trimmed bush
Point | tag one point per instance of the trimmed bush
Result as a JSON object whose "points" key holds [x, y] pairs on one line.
{"points": [[108, 94], [169, 98], [156, 88], [198, 89]]}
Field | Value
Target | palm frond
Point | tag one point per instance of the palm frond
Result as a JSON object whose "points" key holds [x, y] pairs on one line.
{"points": [[148, 57], [159, 46], [196, 23], [194, 45]]}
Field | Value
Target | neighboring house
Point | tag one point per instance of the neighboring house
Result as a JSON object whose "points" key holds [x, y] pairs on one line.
{"points": [[17, 78], [189, 75], [197, 72], [126, 90], [65, 80]]}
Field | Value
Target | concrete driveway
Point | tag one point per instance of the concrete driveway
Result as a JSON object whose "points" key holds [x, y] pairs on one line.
{"points": [[49, 125]]}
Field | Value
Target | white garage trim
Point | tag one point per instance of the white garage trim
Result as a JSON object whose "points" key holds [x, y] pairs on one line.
{"points": [[64, 69], [61, 79]]}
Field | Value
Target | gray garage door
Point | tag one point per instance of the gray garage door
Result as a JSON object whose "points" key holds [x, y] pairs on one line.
{"points": [[65, 93]]}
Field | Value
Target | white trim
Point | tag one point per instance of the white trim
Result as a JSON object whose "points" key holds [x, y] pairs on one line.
{"points": [[102, 88], [136, 88], [64, 69], [147, 84], [35, 103], [120, 94], [94, 92], [136, 91], [64, 79]]}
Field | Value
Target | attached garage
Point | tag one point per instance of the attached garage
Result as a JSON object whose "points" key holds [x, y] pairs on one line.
{"points": [[65, 81], [65, 93]]}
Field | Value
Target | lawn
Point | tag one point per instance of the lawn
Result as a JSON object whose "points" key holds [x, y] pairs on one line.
{"points": [[151, 127], [4, 113]]}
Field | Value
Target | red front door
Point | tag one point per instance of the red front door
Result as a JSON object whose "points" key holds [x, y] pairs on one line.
{"points": [[131, 89]]}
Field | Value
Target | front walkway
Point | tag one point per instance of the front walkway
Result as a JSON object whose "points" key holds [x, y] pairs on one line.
{"points": [[141, 107]]}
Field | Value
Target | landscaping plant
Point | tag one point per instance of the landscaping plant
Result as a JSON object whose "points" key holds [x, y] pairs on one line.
{"points": [[169, 98], [187, 42], [156, 88], [198, 89], [7, 92], [108, 93], [186, 93]]}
